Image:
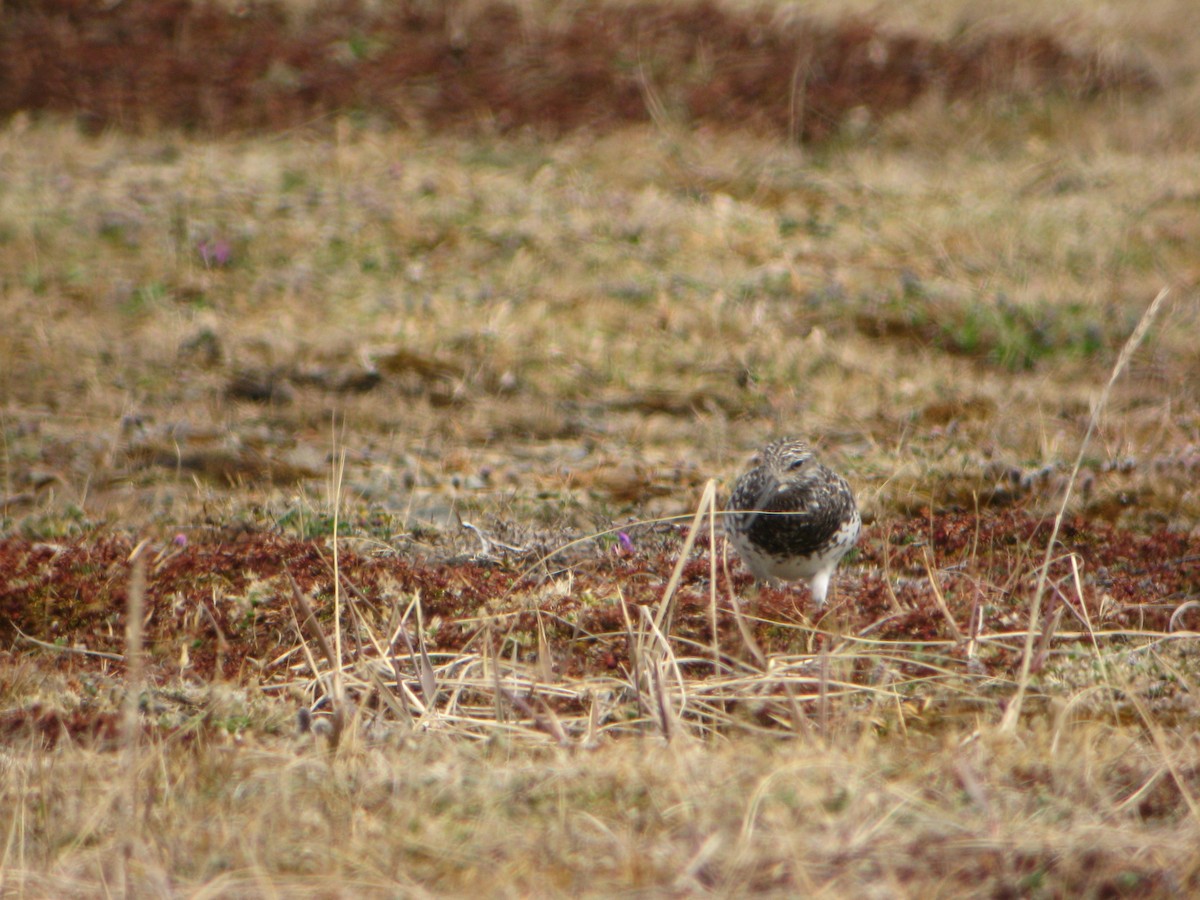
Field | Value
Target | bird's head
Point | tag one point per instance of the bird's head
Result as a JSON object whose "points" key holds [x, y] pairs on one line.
{"points": [[790, 461]]}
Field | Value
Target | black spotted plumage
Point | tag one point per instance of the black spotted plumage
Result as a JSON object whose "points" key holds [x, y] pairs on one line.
{"points": [[791, 517]]}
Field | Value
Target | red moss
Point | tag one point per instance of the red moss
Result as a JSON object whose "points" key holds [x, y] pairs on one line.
{"points": [[145, 63], [47, 726], [73, 593]]}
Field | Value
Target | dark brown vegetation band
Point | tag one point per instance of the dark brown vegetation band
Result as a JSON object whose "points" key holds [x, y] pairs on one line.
{"points": [[145, 63]]}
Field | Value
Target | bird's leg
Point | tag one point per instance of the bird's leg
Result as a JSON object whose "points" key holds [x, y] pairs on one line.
{"points": [[820, 587], [753, 597]]}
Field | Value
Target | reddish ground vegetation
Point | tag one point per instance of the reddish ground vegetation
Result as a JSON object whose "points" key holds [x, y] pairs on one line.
{"points": [[221, 608], [48, 726], [147, 63]]}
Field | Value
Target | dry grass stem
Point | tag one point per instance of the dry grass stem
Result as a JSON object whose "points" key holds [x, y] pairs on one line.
{"points": [[1013, 713]]}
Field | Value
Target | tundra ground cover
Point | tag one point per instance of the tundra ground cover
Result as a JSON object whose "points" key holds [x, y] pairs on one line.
{"points": [[464, 383]]}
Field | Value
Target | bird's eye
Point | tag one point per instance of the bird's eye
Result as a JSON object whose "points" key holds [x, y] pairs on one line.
{"points": [[797, 464]]}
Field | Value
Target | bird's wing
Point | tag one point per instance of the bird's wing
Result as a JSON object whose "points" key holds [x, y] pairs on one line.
{"points": [[768, 499]]}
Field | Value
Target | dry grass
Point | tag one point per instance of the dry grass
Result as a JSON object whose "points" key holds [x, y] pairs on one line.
{"points": [[240, 347], [898, 304], [1076, 810], [874, 795]]}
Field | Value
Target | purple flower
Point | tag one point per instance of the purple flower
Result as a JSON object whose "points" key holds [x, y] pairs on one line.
{"points": [[626, 541], [216, 252]]}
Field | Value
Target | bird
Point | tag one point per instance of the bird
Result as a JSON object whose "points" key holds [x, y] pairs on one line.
{"points": [[790, 517]]}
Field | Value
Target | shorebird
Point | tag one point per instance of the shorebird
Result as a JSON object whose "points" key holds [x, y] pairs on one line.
{"points": [[790, 517]]}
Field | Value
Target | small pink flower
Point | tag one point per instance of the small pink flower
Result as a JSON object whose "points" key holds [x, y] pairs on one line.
{"points": [[215, 253]]}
